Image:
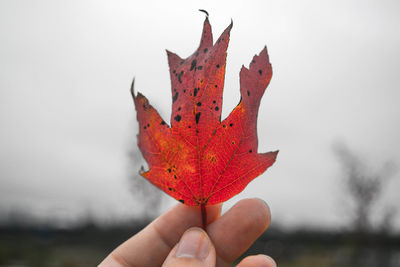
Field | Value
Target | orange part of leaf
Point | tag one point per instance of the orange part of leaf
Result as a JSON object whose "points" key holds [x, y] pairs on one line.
{"points": [[200, 160]]}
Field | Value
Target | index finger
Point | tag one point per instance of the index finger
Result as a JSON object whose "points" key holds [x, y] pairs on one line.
{"points": [[151, 246]]}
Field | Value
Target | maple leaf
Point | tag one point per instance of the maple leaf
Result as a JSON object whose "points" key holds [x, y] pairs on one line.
{"points": [[200, 160]]}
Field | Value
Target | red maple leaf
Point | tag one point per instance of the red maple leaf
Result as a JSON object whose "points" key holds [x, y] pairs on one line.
{"points": [[200, 160]]}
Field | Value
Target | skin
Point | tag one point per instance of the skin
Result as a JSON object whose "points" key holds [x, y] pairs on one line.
{"points": [[227, 237]]}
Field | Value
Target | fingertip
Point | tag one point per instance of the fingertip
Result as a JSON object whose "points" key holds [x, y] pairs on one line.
{"points": [[194, 244], [238, 228], [259, 208], [269, 262], [266, 210], [194, 249], [257, 260]]}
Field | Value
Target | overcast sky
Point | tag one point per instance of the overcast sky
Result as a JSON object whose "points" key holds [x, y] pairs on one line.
{"points": [[67, 119]]}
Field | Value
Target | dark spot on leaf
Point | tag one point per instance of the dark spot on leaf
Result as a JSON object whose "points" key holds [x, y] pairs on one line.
{"points": [[148, 125], [250, 151], [174, 71], [214, 101], [169, 170], [175, 176], [169, 188], [194, 62], [184, 91], [205, 50], [217, 66], [182, 201], [197, 131], [224, 126], [216, 86], [195, 91], [231, 124], [216, 108], [260, 71], [180, 77], [145, 127], [189, 126], [179, 109], [200, 67], [233, 142], [253, 61], [175, 97], [198, 104], [178, 118], [198, 117], [162, 122], [248, 92]]}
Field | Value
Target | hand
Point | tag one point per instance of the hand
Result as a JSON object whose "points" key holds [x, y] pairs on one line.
{"points": [[227, 237]]}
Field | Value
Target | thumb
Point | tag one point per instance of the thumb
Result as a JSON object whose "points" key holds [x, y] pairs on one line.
{"points": [[194, 249]]}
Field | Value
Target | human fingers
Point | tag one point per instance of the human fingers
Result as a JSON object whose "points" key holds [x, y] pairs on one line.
{"points": [[194, 249], [160, 236], [235, 231], [257, 260]]}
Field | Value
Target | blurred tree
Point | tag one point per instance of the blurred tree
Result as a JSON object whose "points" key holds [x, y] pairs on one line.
{"points": [[365, 188], [147, 196]]}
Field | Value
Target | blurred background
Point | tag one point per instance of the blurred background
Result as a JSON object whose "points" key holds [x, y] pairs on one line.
{"points": [[69, 185]]}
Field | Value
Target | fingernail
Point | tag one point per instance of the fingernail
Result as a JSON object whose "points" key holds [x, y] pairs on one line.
{"points": [[193, 244]]}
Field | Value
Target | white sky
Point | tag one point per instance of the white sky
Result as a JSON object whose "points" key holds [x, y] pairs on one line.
{"points": [[67, 120]]}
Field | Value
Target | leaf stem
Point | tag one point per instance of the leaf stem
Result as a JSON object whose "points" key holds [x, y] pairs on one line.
{"points": [[204, 216]]}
